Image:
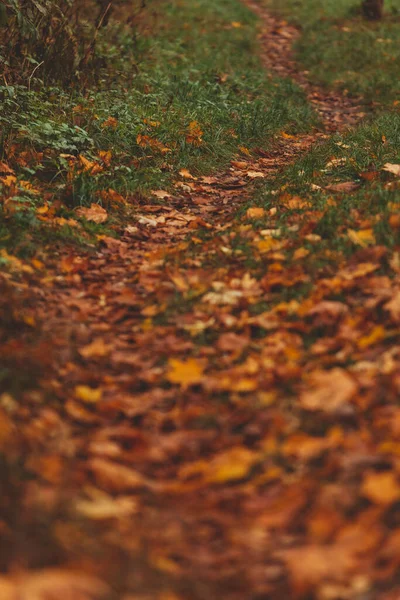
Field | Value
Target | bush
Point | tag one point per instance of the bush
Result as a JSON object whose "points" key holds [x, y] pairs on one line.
{"points": [[52, 39]]}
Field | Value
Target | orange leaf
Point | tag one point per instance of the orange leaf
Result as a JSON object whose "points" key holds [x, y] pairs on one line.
{"points": [[185, 372]]}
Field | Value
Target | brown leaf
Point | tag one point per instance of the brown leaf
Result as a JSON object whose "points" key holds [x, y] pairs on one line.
{"points": [[96, 213], [393, 307], [115, 478], [344, 187], [330, 390], [314, 564]]}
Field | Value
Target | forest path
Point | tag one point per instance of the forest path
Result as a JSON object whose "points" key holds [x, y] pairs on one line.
{"points": [[175, 447]]}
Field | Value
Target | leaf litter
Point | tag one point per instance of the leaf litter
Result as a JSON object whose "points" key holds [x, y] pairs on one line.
{"points": [[190, 429]]}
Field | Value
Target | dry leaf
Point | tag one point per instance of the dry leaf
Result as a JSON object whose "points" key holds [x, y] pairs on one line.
{"points": [[255, 212], [230, 465], [95, 349], [115, 478], [255, 174], [381, 488], [363, 237], [52, 584], [392, 168], [185, 372], [330, 390], [87, 394], [344, 187], [96, 213]]}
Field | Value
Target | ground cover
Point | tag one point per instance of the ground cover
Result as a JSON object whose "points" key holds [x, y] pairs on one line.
{"points": [[207, 405], [342, 50], [176, 104]]}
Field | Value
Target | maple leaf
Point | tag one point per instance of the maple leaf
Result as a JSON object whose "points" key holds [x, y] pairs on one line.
{"points": [[185, 372], [330, 390], [95, 213]]}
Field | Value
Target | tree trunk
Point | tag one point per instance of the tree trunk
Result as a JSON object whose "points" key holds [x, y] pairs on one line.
{"points": [[373, 9]]}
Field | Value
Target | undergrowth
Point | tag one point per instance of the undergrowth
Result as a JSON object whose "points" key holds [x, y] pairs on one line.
{"points": [[172, 102]]}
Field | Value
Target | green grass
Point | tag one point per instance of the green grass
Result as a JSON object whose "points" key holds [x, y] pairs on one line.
{"points": [[198, 95], [341, 49]]}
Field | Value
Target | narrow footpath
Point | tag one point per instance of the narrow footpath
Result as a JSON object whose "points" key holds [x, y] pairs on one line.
{"points": [[184, 446]]}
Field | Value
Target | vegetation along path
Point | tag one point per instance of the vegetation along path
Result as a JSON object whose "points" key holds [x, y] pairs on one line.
{"points": [[201, 367]]}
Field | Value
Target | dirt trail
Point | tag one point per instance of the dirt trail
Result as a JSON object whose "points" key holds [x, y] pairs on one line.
{"points": [[129, 453], [336, 110]]}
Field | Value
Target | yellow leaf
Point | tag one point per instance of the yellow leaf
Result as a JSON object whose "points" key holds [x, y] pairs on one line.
{"points": [[90, 166], [9, 180], [363, 237], [185, 372], [255, 212], [106, 156], [376, 335], [230, 465], [88, 394]]}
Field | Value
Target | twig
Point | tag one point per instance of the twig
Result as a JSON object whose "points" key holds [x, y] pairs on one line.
{"points": [[32, 74]]}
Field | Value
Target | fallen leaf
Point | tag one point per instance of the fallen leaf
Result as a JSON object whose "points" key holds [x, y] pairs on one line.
{"points": [[363, 237], [345, 187], [115, 478], [392, 168], [330, 390], [230, 465], [110, 122], [50, 584], [161, 194], [255, 174], [95, 349], [381, 488], [186, 174], [88, 394], [255, 212], [95, 213], [185, 372]]}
